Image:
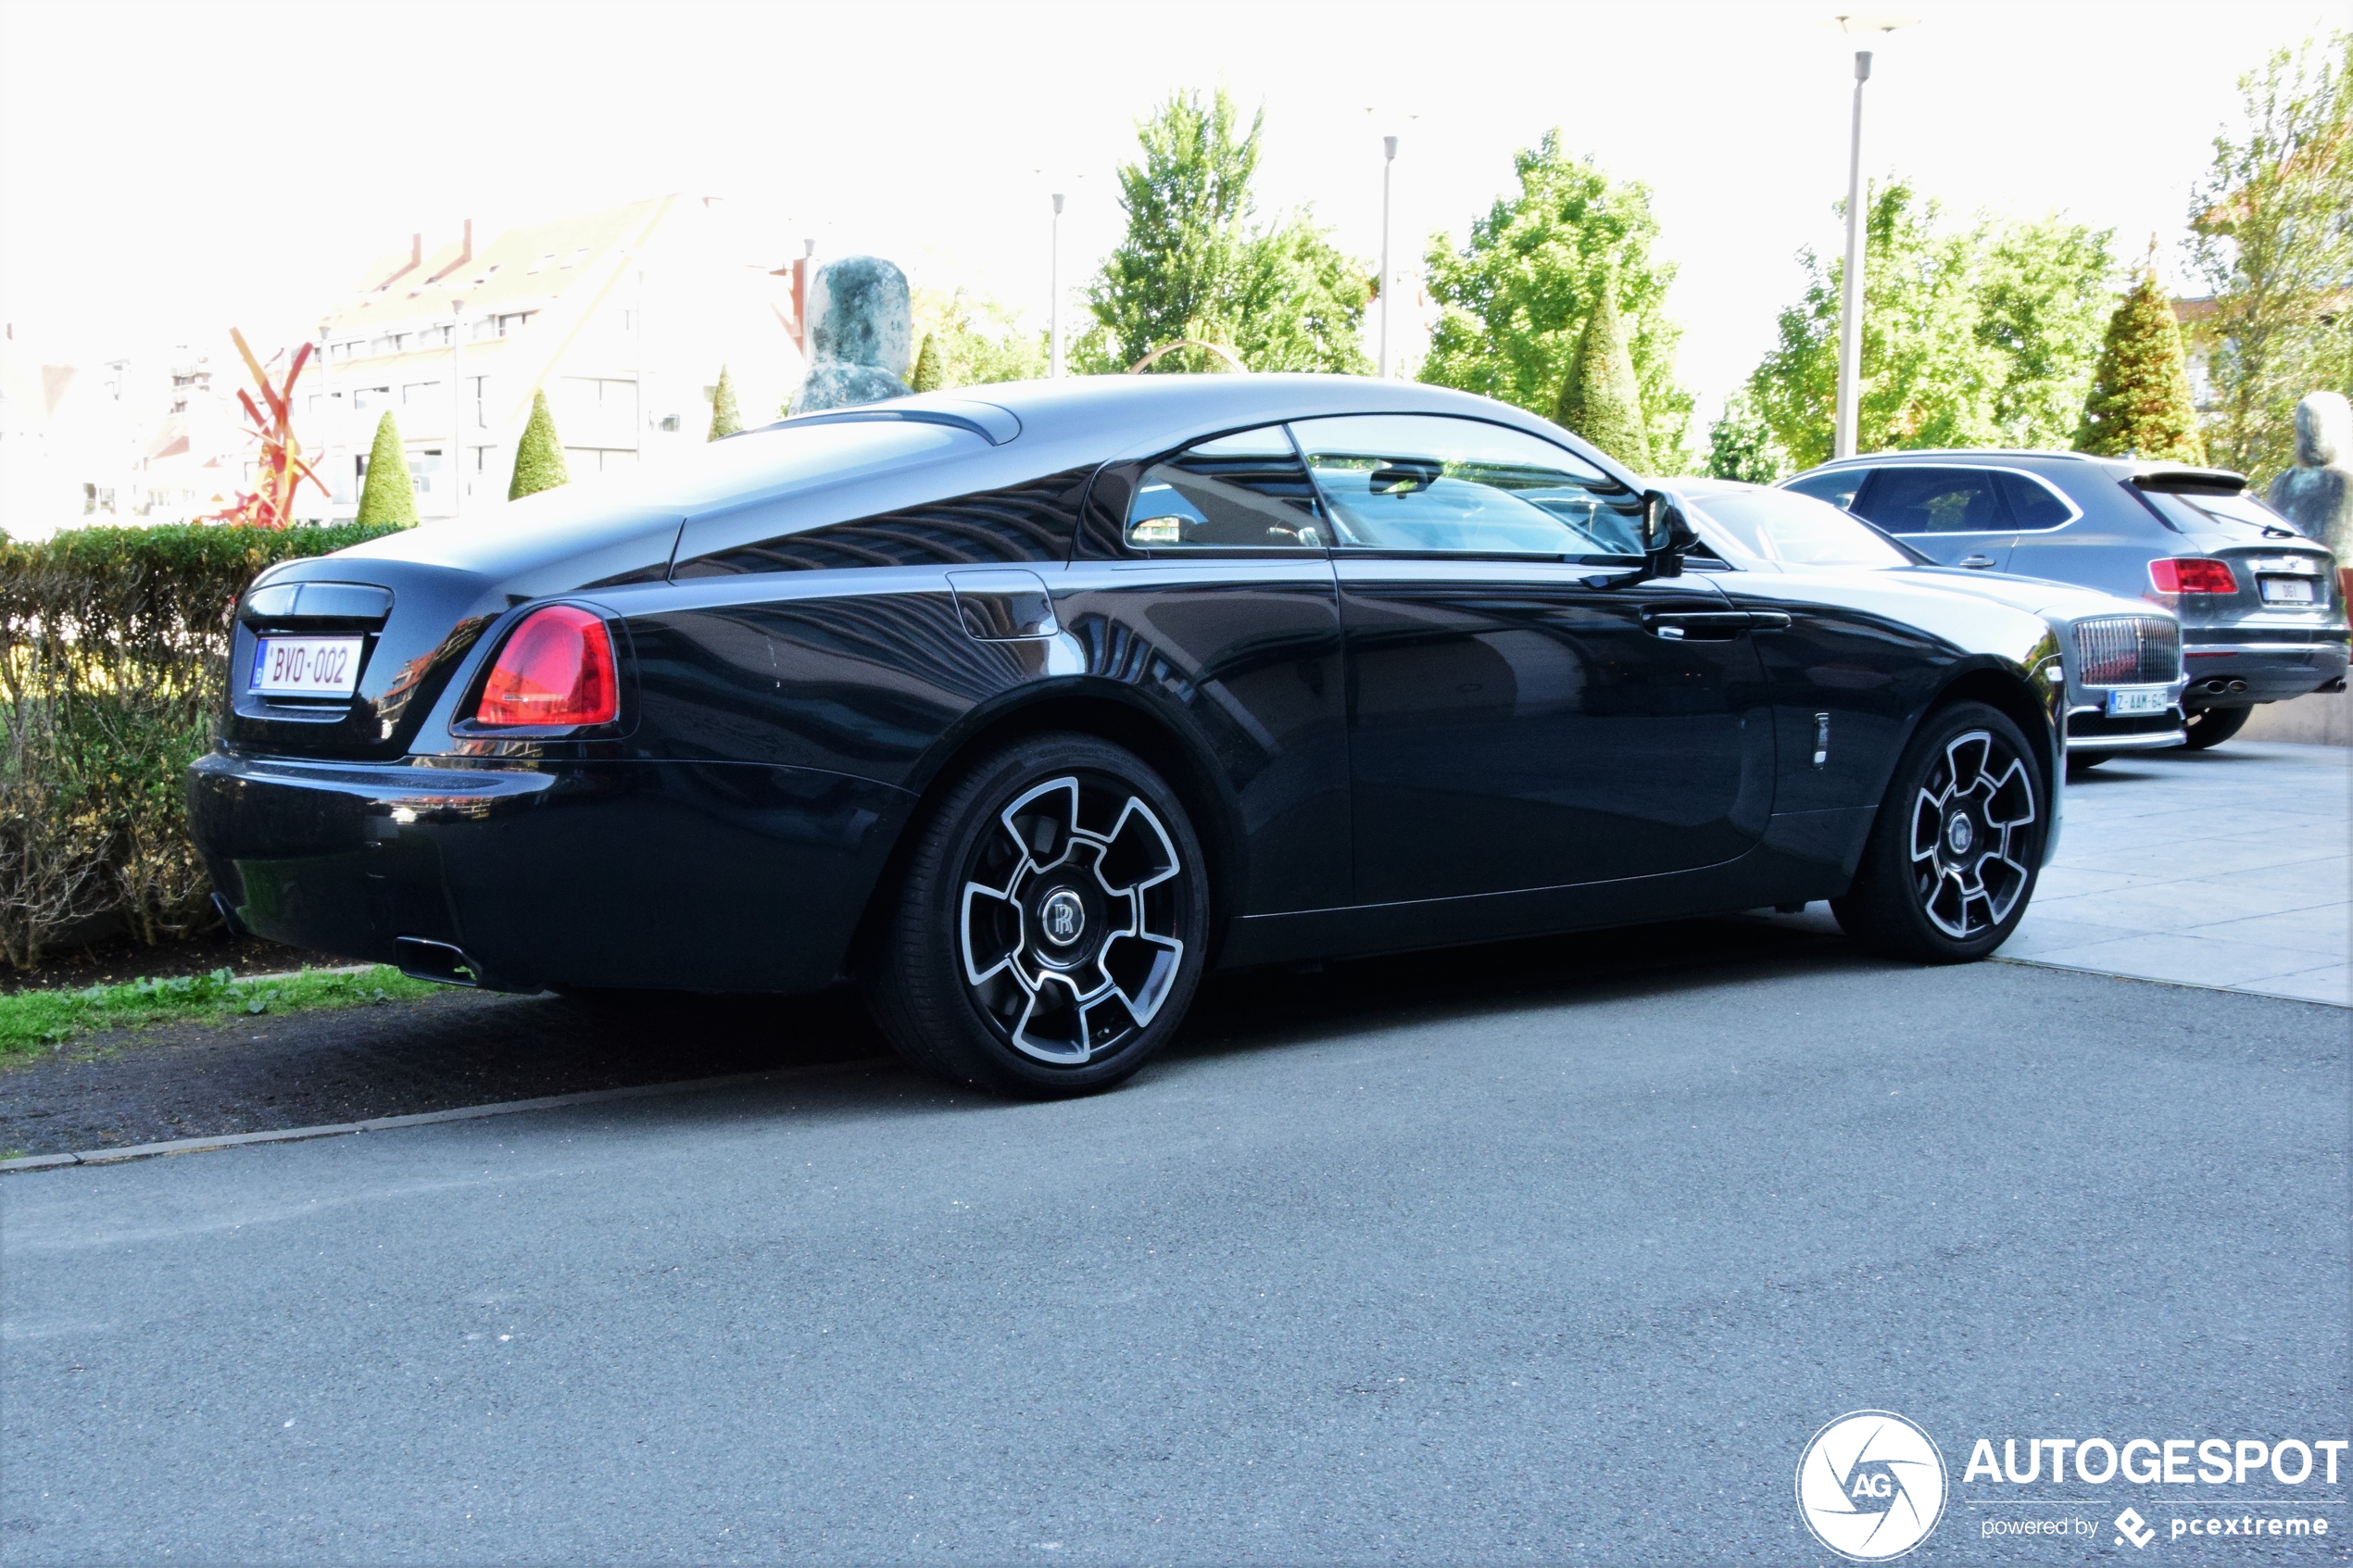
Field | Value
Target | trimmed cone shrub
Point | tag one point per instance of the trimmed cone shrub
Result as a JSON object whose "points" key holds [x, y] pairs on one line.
{"points": [[2140, 403], [387, 498], [540, 456], [930, 374], [725, 420], [1601, 400], [117, 652]]}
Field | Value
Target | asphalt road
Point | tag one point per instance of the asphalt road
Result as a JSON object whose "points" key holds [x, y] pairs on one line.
{"points": [[1491, 1259]]}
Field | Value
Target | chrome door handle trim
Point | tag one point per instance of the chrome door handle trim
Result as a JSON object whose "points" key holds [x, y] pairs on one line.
{"points": [[1975, 563]]}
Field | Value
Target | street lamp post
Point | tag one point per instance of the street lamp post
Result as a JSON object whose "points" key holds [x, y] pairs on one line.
{"points": [[1850, 304], [457, 410], [1054, 278], [1389, 166]]}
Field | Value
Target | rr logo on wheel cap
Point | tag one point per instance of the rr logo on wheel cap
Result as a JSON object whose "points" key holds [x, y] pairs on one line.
{"points": [[1062, 917], [1959, 833]]}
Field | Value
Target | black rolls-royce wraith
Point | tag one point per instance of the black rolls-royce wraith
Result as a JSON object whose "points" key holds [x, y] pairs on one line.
{"points": [[1024, 708]]}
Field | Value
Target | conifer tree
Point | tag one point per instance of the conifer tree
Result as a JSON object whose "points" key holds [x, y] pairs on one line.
{"points": [[386, 496], [930, 374], [2140, 403], [1601, 400], [725, 420], [540, 456]]}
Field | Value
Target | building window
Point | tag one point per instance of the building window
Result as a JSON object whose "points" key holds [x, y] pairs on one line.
{"points": [[368, 399], [417, 394], [598, 460], [541, 264], [480, 393], [513, 323]]}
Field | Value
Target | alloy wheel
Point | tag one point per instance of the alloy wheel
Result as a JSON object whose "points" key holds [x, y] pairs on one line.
{"points": [[1068, 918], [1968, 837]]}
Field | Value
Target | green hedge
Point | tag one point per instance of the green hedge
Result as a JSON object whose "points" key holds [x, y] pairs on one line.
{"points": [[116, 655]]}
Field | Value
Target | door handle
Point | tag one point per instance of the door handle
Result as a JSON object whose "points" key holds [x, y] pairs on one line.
{"points": [[1976, 563], [1698, 625]]}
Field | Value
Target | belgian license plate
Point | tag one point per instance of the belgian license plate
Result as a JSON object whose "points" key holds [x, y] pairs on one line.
{"points": [[2287, 590], [305, 666], [2139, 699]]}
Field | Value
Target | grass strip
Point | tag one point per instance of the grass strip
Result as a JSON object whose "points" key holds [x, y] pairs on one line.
{"points": [[35, 1021]]}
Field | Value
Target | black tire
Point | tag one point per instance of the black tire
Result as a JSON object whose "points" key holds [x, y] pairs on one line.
{"points": [[2082, 759], [2211, 726], [1936, 893], [965, 975]]}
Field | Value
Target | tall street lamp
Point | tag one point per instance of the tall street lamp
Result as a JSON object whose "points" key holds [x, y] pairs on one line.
{"points": [[1054, 278], [456, 410], [1388, 168], [1850, 303]]}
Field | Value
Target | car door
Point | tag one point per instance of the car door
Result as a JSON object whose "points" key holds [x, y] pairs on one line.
{"points": [[1201, 581], [1956, 515], [1526, 707]]}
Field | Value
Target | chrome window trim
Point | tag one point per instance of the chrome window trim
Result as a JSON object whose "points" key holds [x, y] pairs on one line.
{"points": [[2074, 512]]}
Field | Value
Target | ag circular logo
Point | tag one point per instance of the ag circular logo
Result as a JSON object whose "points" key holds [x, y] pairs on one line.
{"points": [[1870, 1485]]}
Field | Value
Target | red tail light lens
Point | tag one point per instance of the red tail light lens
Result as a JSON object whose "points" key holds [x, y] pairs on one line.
{"points": [[556, 669], [2193, 575]]}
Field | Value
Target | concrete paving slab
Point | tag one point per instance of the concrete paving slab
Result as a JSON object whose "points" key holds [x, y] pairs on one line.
{"points": [[2332, 983]]}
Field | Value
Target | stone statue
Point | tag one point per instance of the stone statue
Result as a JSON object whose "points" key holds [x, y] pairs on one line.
{"points": [[860, 322], [2317, 494]]}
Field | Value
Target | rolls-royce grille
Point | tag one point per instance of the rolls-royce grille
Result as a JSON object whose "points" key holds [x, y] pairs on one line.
{"points": [[2128, 651]]}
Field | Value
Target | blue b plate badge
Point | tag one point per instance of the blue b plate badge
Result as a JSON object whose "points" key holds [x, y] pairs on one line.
{"points": [[304, 667], [2126, 701]]}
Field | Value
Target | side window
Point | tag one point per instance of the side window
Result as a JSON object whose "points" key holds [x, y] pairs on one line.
{"points": [[1427, 482], [2032, 503], [1837, 487], [1237, 492], [1905, 499]]}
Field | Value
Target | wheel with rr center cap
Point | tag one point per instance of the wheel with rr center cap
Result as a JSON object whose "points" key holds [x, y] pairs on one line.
{"points": [[1953, 856], [1049, 932]]}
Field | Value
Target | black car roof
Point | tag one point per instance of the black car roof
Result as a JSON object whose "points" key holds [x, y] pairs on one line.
{"points": [[1125, 414]]}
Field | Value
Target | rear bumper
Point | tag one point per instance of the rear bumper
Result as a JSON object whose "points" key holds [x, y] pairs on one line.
{"points": [[2225, 674], [670, 875]]}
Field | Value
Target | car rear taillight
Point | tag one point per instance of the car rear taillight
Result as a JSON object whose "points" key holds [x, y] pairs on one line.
{"points": [[2193, 574], [556, 667]]}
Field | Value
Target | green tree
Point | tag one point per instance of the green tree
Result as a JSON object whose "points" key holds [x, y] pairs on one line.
{"points": [[386, 496], [1516, 296], [927, 375], [2272, 237], [2140, 402], [540, 456], [1971, 338], [1194, 264], [1739, 445], [1601, 400], [972, 340], [725, 420]]}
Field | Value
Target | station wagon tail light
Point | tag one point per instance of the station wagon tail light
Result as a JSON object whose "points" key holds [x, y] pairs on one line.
{"points": [[2193, 574], [556, 667]]}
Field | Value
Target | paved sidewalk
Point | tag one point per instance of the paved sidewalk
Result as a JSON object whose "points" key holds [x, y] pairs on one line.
{"points": [[2231, 868]]}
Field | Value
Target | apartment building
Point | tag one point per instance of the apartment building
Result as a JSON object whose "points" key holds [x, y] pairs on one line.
{"points": [[624, 317]]}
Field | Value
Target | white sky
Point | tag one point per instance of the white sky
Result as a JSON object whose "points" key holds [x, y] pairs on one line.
{"points": [[168, 170]]}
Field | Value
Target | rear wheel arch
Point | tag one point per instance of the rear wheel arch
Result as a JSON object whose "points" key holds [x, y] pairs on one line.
{"points": [[1119, 720]]}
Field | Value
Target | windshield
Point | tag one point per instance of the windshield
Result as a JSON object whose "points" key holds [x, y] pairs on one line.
{"points": [[1792, 530], [2241, 512]]}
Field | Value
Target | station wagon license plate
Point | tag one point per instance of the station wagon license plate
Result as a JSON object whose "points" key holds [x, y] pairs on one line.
{"points": [[2287, 590], [2127, 701], [305, 666]]}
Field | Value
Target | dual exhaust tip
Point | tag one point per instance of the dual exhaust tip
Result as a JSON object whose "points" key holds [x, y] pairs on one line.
{"points": [[2219, 685]]}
